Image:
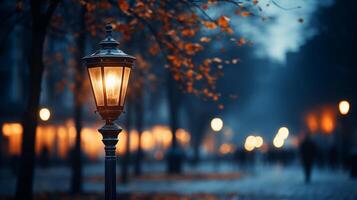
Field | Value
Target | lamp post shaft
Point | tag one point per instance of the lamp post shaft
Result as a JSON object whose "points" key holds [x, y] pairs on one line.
{"points": [[110, 132]]}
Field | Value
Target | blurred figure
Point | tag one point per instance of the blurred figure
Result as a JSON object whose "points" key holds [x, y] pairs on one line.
{"points": [[307, 151]]}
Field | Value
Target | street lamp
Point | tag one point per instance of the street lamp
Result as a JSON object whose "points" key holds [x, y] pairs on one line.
{"points": [[216, 124], [344, 107], [109, 71]]}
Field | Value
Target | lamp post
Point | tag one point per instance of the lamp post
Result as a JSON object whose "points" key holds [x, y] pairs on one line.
{"points": [[109, 71], [344, 109]]}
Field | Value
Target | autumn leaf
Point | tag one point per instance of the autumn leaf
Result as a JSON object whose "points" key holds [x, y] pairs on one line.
{"points": [[188, 32], [205, 39], [228, 30], [199, 77], [223, 21], [218, 60], [241, 42], [210, 25], [154, 49], [245, 14], [190, 73], [192, 48], [123, 5]]}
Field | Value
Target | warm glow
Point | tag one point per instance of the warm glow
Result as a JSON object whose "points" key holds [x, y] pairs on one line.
{"points": [[60, 139], [44, 114], [344, 107], [327, 122], [9, 129], [278, 142], [216, 124], [312, 122], [280, 137], [147, 140], [226, 148], [13, 131], [112, 84], [248, 147], [163, 136], [95, 75], [258, 141], [183, 137], [283, 133], [250, 143]]}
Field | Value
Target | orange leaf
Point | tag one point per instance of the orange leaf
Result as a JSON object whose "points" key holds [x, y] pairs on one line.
{"points": [[223, 21], [188, 32], [241, 42], [210, 25], [245, 14], [205, 39], [123, 5]]}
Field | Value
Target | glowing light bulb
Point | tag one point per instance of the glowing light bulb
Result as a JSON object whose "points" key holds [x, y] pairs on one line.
{"points": [[216, 124], [344, 107], [44, 114]]}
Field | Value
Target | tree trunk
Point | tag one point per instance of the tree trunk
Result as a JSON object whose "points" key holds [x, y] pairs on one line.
{"points": [[26, 169], [139, 126], [174, 154], [76, 181], [40, 23]]}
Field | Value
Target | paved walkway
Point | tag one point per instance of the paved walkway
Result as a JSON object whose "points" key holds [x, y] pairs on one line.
{"points": [[274, 183]]}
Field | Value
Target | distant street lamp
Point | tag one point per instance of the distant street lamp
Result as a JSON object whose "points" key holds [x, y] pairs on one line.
{"points": [[109, 71], [344, 144], [44, 114], [216, 124], [344, 107]]}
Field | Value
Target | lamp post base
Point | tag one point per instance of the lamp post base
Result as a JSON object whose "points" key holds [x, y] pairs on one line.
{"points": [[110, 132]]}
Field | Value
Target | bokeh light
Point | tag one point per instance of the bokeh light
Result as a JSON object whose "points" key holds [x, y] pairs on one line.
{"points": [[344, 107], [283, 133], [44, 114], [216, 124], [258, 141], [278, 142]]}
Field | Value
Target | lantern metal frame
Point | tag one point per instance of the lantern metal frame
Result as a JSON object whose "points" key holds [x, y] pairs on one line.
{"points": [[109, 56]]}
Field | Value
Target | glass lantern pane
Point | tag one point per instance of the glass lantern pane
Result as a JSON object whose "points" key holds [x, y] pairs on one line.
{"points": [[125, 85], [113, 81], [97, 84]]}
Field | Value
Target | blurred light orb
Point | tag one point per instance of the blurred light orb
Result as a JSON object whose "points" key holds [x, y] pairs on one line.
{"points": [[258, 141], [283, 133], [278, 142], [250, 143], [216, 124], [9, 129], [344, 107], [44, 114], [248, 147]]}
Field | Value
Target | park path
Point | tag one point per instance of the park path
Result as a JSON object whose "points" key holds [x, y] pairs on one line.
{"points": [[264, 182]]}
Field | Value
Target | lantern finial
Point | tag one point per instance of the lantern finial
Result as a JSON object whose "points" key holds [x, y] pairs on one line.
{"points": [[108, 30], [109, 41]]}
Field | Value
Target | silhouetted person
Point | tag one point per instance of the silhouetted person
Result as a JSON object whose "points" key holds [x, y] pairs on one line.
{"points": [[307, 151]]}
